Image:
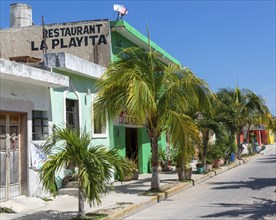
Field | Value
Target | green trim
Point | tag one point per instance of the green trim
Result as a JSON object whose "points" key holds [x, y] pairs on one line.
{"points": [[143, 38]]}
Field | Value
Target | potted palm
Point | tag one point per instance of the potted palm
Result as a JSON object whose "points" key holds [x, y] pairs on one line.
{"points": [[218, 157]]}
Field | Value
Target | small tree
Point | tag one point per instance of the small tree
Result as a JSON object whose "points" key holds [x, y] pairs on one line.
{"points": [[95, 164], [206, 125]]}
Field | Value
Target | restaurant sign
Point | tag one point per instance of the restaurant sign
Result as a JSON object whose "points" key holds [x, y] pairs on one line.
{"points": [[71, 36]]}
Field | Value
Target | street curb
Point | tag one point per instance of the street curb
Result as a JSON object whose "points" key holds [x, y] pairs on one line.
{"points": [[172, 191], [177, 189], [133, 209], [161, 196], [204, 177]]}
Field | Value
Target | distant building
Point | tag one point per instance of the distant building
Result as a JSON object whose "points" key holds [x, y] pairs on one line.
{"points": [[257, 133]]}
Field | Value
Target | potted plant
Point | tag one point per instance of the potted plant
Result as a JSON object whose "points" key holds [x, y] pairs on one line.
{"points": [[200, 168], [134, 172], [216, 163], [218, 158]]}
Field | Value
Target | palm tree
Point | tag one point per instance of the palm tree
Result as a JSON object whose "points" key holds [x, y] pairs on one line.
{"points": [[205, 114], [260, 113], [95, 164], [155, 93], [238, 108], [208, 124]]}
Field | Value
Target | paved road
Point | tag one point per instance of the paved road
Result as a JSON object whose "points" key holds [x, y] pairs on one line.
{"points": [[245, 192]]}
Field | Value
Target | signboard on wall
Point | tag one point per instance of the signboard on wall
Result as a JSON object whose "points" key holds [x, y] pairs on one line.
{"points": [[89, 40], [71, 36], [126, 120]]}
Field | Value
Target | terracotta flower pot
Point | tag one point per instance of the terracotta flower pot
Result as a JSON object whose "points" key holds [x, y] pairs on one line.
{"points": [[216, 163]]}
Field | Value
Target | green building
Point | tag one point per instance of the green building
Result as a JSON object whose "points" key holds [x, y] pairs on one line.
{"points": [[133, 138]]}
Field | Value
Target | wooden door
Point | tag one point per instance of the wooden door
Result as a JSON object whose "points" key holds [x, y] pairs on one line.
{"points": [[9, 155]]}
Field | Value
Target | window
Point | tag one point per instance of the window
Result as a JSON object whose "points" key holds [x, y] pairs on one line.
{"points": [[72, 113], [40, 125], [99, 128]]}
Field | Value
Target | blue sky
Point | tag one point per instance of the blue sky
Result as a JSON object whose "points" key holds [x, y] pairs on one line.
{"points": [[227, 43]]}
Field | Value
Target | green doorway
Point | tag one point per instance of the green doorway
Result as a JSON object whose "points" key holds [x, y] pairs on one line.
{"points": [[132, 143]]}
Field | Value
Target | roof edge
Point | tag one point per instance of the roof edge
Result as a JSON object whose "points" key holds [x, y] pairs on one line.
{"points": [[143, 38]]}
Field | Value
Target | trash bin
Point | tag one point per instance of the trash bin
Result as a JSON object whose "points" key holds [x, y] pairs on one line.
{"points": [[232, 157]]}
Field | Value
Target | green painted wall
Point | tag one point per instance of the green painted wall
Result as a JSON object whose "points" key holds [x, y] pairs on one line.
{"points": [[119, 42], [119, 133], [135, 33], [144, 148], [81, 85], [144, 152]]}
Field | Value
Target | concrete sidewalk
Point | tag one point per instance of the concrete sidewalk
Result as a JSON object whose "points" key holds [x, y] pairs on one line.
{"points": [[126, 199]]}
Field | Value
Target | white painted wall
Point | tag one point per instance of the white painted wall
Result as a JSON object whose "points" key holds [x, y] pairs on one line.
{"points": [[23, 98]]}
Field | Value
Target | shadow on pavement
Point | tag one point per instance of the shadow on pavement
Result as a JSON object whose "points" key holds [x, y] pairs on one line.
{"points": [[266, 159], [49, 214], [141, 185], [254, 184], [260, 209], [132, 187]]}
